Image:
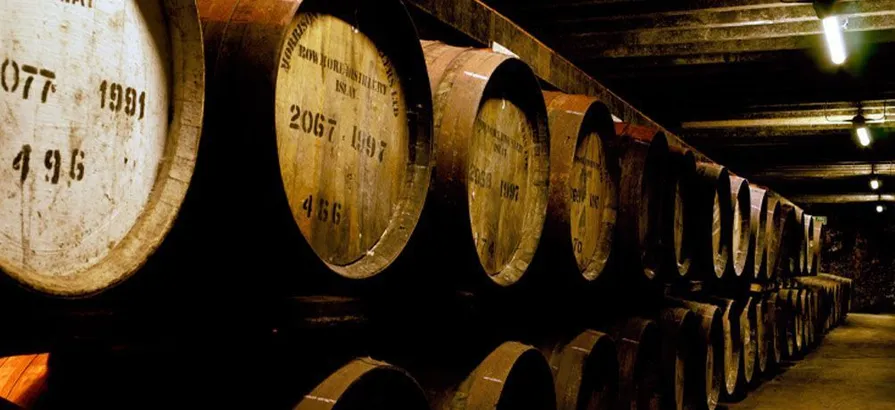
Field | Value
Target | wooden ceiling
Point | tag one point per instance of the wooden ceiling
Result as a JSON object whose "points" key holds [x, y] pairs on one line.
{"points": [[748, 82]]}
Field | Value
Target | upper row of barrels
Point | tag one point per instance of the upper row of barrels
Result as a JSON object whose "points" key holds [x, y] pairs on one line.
{"points": [[368, 126]]}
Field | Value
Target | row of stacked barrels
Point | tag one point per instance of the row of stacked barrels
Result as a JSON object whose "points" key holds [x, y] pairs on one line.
{"points": [[694, 353], [336, 110]]}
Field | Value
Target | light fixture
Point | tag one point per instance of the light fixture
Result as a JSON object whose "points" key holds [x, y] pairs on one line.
{"points": [[861, 130], [874, 184], [880, 209], [835, 40]]}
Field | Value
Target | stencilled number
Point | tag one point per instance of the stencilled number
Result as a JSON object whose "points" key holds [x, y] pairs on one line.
{"points": [[22, 162], [52, 162], [122, 99], [325, 211], [11, 74]]}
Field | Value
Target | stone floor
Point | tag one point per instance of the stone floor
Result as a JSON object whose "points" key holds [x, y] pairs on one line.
{"points": [[853, 368]]}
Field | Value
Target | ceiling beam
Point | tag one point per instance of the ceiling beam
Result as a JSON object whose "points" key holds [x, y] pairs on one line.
{"points": [[562, 9], [585, 49], [841, 198], [808, 27], [823, 171], [802, 119], [706, 18]]}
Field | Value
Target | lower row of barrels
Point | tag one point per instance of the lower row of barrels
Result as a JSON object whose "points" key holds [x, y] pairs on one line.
{"points": [[695, 352]]}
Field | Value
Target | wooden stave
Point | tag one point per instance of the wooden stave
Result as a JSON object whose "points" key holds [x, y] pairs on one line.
{"points": [[749, 341], [773, 235], [708, 373], [804, 315], [450, 188], [637, 341], [771, 328], [816, 246], [643, 155], [244, 42], [712, 181], [340, 388], [786, 324], [23, 380], [574, 115], [799, 242], [733, 342], [589, 356], [758, 250], [149, 233], [759, 323], [788, 265], [509, 360], [679, 214], [678, 327], [805, 248], [740, 205]]}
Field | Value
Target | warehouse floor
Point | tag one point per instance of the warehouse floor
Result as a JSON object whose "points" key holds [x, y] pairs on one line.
{"points": [[854, 368]]}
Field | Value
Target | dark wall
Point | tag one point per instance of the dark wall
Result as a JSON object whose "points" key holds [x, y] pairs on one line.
{"points": [[859, 243]]}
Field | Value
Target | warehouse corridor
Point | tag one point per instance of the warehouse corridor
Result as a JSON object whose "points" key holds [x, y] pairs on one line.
{"points": [[853, 368]]}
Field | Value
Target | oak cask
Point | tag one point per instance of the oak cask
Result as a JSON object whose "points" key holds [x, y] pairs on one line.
{"points": [[99, 139], [582, 208], [491, 159], [325, 111]]}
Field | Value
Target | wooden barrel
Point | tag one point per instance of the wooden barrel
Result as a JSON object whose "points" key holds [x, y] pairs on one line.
{"points": [[513, 376], [679, 214], [787, 301], [831, 305], [733, 341], [23, 379], [711, 219], [335, 99], [824, 289], [740, 203], [366, 384], [643, 155], [773, 233], [707, 365], [799, 243], [816, 246], [772, 329], [759, 323], [790, 227], [749, 340], [815, 319], [492, 158], [678, 327], [805, 247], [804, 315], [639, 354], [809, 317], [99, 140], [796, 323], [582, 206], [585, 372], [758, 221]]}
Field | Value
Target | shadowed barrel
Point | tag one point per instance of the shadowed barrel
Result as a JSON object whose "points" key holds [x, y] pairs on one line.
{"points": [[581, 214], [492, 159]]}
